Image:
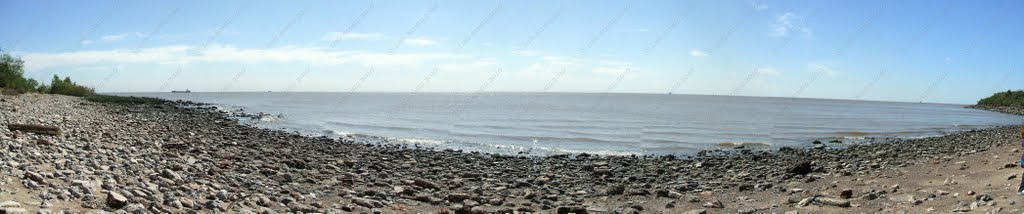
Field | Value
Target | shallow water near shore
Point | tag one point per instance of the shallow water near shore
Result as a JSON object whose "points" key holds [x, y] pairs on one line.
{"points": [[611, 124]]}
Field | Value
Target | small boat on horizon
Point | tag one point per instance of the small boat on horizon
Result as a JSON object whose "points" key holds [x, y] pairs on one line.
{"points": [[185, 91]]}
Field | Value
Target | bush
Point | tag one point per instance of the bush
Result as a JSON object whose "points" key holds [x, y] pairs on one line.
{"points": [[1008, 98], [68, 87]]}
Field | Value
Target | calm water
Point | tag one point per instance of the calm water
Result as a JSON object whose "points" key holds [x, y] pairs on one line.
{"points": [[595, 123]]}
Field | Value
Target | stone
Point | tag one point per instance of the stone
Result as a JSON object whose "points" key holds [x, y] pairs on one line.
{"points": [[458, 197], [846, 193], [424, 183], [746, 211], [116, 200], [714, 204], [369, 203], [697, 211], [615, 189], [170, 174], [13, 210], [832, 201], [800, 168], [36, 177], [571, 209]]}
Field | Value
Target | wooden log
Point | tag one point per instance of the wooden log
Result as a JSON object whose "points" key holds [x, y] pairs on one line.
{"points": [[38, 129]]}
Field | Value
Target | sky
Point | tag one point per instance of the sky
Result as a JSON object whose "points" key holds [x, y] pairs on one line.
{"points": [[911, 51]]}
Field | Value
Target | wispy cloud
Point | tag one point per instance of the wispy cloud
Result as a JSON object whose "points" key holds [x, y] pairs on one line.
{"points": [[484, 64], [419, 41], [335, 36], [698, 53], [767, 71], [819, 67], [113, 38], [223, 53], [787, 24], [759, 5]]}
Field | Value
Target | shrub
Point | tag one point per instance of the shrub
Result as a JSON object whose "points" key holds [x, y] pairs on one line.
{"points": [[68, 87]]}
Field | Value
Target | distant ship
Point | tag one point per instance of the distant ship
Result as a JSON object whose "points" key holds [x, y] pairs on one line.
{"points": [[185, 91]]}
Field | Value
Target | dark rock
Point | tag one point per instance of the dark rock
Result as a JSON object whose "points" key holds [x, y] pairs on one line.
{"points": [[425, 183], [567, 210], [846, 193], [801, 168], [615, 189]]}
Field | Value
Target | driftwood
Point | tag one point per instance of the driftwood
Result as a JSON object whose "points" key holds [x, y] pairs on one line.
{"points": [[38, 129]]}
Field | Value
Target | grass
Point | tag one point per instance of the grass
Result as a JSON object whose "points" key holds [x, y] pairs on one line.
{"points": [[124, 100]]}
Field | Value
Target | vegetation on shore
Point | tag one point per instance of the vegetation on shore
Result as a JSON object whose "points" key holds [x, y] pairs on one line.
{"points": [[123, 100], [12, 80], [1008, 98]]}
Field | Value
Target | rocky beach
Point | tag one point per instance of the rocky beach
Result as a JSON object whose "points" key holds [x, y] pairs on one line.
{"points": [[185, 157]]}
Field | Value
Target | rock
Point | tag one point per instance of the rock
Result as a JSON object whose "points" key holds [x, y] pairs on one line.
{"points": [[746, 211], [116, 200], [369, 203], [13, 210], [569, 209], [846, 193], [962, 207], [714, 204], [697, 211], [424, 183], [170, 174], [9, 204], [35, 177], [615, 189], [1011, 177], [495, 201], [832, 201], [819, 146], [459, 197], [671, 204], [816, 142], [800, 168]]}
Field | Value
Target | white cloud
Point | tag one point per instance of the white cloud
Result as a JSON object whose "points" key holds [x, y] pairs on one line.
{"points": [[610, 71], [759, 5], [787, 23], [767, 71], [484, 64], [221, 53], [535, 69], [335, 36], [817, 67], [698, 53], [419, 42], [112, 38], [100, 68], [525, 52]]}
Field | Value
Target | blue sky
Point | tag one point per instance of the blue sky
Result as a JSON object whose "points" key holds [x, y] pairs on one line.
{"points": [[931, 51]]}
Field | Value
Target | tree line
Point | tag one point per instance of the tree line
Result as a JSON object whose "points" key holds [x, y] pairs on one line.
{"points": [[1008, 98], [12, 80]]}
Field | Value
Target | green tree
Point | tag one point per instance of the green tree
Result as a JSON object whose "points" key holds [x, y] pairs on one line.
{"points": [[67, 87], [1008, 98], [12, 74]]}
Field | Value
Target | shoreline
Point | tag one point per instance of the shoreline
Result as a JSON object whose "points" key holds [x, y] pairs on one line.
{"points": [[198, 159]]}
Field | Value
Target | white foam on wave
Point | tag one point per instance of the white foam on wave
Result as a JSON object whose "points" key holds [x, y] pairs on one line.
{"points": [[415, 141]]}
